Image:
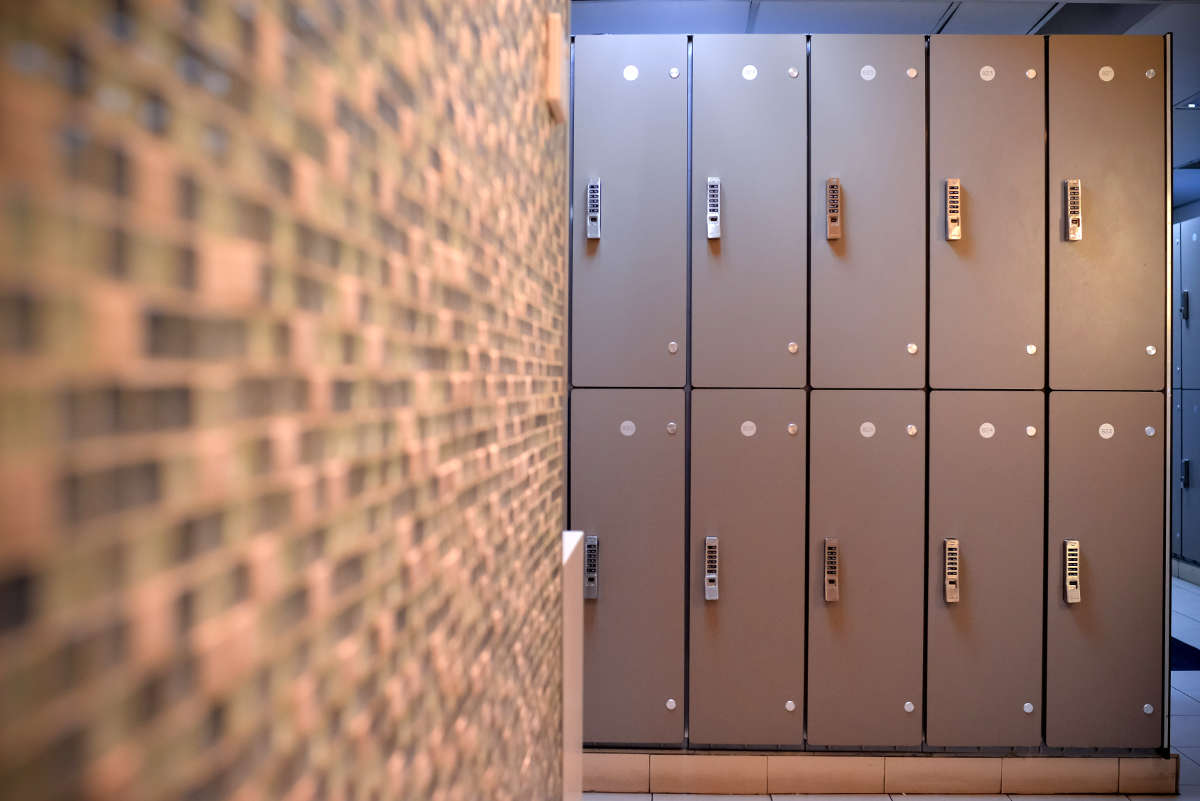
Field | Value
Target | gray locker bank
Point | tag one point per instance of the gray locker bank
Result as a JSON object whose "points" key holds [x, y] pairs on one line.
{"points": [[880, 464]]}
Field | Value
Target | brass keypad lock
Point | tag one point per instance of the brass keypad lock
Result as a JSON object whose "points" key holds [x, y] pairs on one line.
{"points": [[833, 209], [833, 560], [591, 567], [1071, 590], [593, 208], [950, 565], [713, 210], [1074, 210], [712, 568], [954, 229]]}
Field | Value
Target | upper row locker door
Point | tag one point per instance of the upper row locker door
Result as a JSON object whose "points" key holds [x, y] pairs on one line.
{"points": [[629, 285], [1107, 323], [987, 289], [868, 286], [1188, 342], [749, 265]]}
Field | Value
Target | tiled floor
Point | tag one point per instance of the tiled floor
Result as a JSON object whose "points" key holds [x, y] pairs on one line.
{"points": [[1185, 730]]}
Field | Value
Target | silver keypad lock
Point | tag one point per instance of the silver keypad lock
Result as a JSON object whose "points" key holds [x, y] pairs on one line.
{"points": [[713, 208], [593, 208]]}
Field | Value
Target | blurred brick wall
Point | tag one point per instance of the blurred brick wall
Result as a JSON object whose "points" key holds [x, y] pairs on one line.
{"points": [[282, 349]]}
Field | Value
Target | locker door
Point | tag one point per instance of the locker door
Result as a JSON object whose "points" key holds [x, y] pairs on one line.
{"points": [[1188, 356], [627, 490], [749, 271], [1104, 654], [1190, 451], [747, 634], [1180, 314], [1107, 289], [867, 492], [986, 466], [1177, 473], [987, 289], [629, 285], [868, 286]]}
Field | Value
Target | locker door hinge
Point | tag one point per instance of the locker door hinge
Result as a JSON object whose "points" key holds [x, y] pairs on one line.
{"points": [[1185, 306], [713, 216], [712, 568], [593, 208], [832, 569], [953, 209], [1185, 475], [1071, 591], [950, 561], [833, 209], [591, 567], [1074, 210]]}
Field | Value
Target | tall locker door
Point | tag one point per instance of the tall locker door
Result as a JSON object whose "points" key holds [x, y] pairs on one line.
{"points": [[1107, 287], [1179, 479], [1189, 499], [629, 267], [1180, 314], [987, 258], [986, 505], [627, 491], [867, 566], [868, 283], [1188, 356], [749, 266], [1104, 644], [747, 545]]}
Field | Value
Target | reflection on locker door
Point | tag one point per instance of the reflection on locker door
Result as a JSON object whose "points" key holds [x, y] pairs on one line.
{"points": [[987, 264], [986, 460], [629, 268], [749, 273], [1104, 602], [1189, 498], [866, 544], [1107, 272], [1188, 355], [868, 231], [627, 492], [747, 543]]}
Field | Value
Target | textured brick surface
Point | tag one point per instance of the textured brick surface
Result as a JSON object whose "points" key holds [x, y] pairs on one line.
{"points": [[282, 351]]}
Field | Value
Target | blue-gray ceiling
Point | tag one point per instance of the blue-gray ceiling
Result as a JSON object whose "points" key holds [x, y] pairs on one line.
{"points": [[1179, 17]]}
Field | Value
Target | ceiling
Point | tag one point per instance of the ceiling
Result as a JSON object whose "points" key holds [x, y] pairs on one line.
{"points": [[1179, 17]]}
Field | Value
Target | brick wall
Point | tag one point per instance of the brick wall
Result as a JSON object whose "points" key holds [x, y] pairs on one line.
{"points": [[282, 299]]}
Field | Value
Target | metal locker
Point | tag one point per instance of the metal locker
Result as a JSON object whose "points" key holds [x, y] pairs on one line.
{"points": [[1189, 461], [1104, 593], [746, 684], [1188, 341], [986, 504], [1179, 478], [987, 264], [868, 223], [1180, 314], [629, 254], [1107, 274], [627, 491], [749, 271], [866, 543]]}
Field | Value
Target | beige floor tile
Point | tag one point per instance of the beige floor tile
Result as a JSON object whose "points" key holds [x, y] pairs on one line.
{"points": [[813, 773], [1148, 775], [708, 773], [834, 797], [616, 797], [616, 773], [694, 797], [1185, 730], [918, 797], [949, 775], [1029, 775], [1189, 765], [1085, 797]]}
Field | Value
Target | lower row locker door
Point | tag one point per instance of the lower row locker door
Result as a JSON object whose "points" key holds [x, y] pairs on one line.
{"points": [[747, 557], [1189, 460], [867, 567], [627, 491], [1104, 605], [986, 493]]}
